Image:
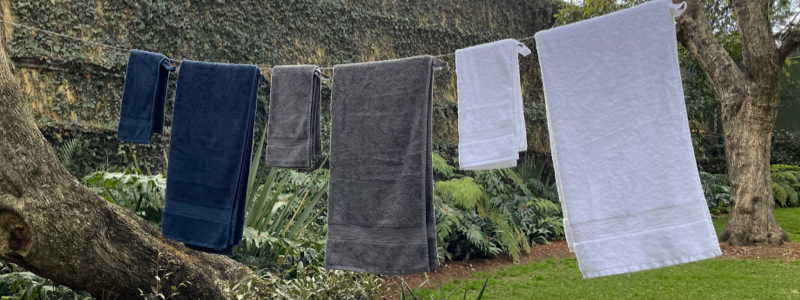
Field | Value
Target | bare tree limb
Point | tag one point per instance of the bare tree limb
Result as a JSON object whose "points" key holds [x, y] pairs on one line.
{"points": [[758, 43], [695, 35], [789, 44]]}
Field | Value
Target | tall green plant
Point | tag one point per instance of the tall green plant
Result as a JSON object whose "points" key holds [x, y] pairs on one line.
{"points": [[716, 188], [270, 203], [281, 204], [532, 174]]}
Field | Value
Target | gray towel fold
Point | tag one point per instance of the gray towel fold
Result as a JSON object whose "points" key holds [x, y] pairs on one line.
{"points": [[293, 131], [380, 206]]}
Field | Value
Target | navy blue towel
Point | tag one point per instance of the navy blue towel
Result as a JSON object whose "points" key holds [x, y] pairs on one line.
{"points": [[143, 97], [209, 156]]}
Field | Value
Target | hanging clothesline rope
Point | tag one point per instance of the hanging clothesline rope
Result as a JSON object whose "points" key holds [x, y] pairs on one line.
{"points": [[170, 59]]}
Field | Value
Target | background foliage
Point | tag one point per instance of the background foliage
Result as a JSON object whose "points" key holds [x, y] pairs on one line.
{"points": [[490, 212]]}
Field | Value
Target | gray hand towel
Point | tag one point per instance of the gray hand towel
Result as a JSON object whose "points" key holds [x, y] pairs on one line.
{"points": [[380, 207], [293, 131]]}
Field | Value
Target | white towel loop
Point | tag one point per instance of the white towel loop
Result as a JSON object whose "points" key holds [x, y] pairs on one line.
{"points": [[677, 9], [440, 65], [322, 76], [523, 49]]}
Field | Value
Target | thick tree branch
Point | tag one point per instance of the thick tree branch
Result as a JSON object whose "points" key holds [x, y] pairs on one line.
{"points": [[789, 44], [695, 35], [758, 44]]}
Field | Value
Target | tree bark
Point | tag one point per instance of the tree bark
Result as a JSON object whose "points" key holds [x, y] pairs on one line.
{"points": [[53, 226], [749, 101]]}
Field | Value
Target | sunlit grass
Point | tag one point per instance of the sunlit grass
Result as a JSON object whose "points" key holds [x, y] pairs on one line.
{"points": [[709, 279]]}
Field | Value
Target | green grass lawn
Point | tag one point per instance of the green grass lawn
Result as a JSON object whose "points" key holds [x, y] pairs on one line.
{"points": [[709, 279]]}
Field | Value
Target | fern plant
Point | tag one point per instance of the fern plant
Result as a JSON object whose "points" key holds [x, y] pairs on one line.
{"points": [[67, 154], [494, 212], [440, 166], [463, 192], [786, 185]]}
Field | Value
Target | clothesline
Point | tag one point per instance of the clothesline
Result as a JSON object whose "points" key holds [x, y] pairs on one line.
{"points": [[170, 59]]}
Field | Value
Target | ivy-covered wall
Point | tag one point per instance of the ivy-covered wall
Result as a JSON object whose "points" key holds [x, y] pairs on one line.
{"points": [[75, 88]]}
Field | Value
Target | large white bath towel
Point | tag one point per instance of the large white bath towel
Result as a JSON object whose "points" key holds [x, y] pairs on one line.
{"points": [[491, 125], [626, 170]]}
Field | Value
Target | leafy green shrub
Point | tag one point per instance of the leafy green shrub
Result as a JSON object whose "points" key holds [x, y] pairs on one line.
{"points": [[29, 286], [143, 194], [317, 284], [786, 185], [785, 148], [161, 274], [716, 189]]}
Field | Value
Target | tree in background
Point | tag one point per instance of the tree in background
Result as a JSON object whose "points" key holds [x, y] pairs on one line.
{"points": [[742, 46]]}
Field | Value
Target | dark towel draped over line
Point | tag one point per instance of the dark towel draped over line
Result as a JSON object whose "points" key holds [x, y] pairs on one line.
{"points": [[293, 132], [380, 206], [143, 97], [209, 158]]}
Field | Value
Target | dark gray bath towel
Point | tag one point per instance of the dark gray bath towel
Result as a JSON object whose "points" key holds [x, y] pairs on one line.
{"points": [[380, 209], [293, 131], [209, 156], [143, 97]]}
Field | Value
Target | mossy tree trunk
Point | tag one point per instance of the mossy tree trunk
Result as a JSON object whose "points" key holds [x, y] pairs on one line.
{"points": [[749, 100], [53, 226]]}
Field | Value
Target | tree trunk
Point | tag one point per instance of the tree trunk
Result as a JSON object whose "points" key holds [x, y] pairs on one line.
{"points": [[53, 226], [750, 103], [747, 148]]}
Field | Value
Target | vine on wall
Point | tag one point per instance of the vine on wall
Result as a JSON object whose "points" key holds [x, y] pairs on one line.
{"points": [[76, 87]]}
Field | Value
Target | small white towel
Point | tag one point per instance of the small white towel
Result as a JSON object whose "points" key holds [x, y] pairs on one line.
{"points": [[491, 124], [620, 141]]}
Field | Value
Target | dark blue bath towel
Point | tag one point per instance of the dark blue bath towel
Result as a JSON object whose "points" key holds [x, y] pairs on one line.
{"points": [[143, 97], [209, 158]]}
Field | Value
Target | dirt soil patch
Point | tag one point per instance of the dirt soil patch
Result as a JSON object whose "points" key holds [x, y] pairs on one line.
{"points": [[788, 252], [452, 270]]}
